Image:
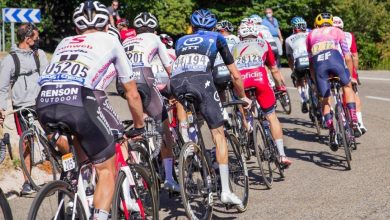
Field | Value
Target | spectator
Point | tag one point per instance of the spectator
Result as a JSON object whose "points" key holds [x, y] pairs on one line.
{"points": [[20, 70], [114, 14], [273, 25]]}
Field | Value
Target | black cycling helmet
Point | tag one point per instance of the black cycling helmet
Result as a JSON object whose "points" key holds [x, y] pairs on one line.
{"points": [[91, 15], [145, 19], [224, 25]]}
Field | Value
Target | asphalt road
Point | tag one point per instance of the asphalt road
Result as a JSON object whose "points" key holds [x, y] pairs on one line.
{"points": [[317, 185]]}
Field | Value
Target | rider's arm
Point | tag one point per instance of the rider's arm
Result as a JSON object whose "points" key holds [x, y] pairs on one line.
{"points": [[345, 50], [164, 56], [289, 55], [6, 68], [271, 64]]}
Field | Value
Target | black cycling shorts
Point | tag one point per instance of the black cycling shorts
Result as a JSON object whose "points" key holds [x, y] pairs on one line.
{"points": [[87, 113], [221, 77], [152, 100], [202, 86]]}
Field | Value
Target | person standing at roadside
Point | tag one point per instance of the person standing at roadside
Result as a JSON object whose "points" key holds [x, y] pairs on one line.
{"points": [[113, 12], [20, 70], [273, 26]]}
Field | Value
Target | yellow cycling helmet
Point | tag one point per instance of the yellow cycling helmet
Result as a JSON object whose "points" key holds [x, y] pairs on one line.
{"points": [[323, 18]]}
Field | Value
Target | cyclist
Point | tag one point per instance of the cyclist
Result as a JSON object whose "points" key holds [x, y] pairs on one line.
{"points": [[250, 55], [78, 64], [124, 29], [140, 52], [325, 59], [192, 72], [338, 22], [298, 60]]}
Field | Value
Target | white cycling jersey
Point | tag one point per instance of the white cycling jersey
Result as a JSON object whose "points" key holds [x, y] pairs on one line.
{"points": [[85, 60], [158, 69], [296, 45], [265, 34], [231, 41], [141, 50]]}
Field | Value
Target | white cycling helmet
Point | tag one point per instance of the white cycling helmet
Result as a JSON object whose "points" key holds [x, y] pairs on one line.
{"points": [[338, 22], [145, 19], [91, 14], [246, 30]]}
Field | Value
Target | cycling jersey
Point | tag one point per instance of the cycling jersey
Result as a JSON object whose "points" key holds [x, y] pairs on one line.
{"points": [[231, 40], [196, 54], [141, 50], [127, 33], [323, 46], [265, 33], [251, 55], [159, 72], [114, 32], [296, 49], [350, 38], [85, 59]]}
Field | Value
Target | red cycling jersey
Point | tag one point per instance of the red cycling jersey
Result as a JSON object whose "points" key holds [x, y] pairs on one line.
{"points": [[127, 33]]}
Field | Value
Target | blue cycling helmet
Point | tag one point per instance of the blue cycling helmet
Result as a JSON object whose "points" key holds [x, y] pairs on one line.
{"points": [[203, 18], [298, 23], [255, 16]]}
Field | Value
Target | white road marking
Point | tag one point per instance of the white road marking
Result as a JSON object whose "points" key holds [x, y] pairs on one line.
{"points": [[378, 98], [374, 78], [291, 88]]}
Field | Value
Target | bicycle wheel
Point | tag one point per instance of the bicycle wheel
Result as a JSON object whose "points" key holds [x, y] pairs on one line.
{"points": [[42, 165], [144, 160], [145, 206], [56, 201], [340, 117], [197, 198], [313, 112], [5, 210], [238, 171], [285, 102], [262, 154]]}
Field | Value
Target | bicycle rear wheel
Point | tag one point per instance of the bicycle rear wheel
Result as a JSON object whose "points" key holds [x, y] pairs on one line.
{"points": [[56, 201], [197, 198], [285, 102], [313, 112], [262, 154], [341, 132], [5, 210], [124, 201], [238, 171], [41, 163]]}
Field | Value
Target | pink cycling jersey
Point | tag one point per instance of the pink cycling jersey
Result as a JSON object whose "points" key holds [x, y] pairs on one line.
{"points": [[326, 38]]}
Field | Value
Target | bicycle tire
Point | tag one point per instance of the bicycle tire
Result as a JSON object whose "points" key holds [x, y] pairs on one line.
{"points": [[48, 190], [5, 209], [238, 165], [148, 164], [262, 156], [286, 106], [151, 209], [274, 157], [189, 151], [341, 129], [31, 135], [313, 113]]}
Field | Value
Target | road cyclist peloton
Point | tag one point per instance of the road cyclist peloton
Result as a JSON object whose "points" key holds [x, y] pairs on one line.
{"points": [[251, 55], [350, 37], [298, 61], [140, 51], [325, 58], [78, 65], [192, 72]]}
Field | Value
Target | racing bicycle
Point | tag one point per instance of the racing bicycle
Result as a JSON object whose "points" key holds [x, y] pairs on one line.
{"points": [[5, 210]]}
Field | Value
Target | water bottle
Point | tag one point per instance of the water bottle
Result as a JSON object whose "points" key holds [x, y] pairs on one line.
{"points": [[192, 134], [86, 174]]}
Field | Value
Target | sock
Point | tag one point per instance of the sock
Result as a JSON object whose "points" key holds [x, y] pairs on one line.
{"points": [[360, 118], [224, 173], [280, 146], [100, 214], [302, 94], [352, 111], [184, 131], [306, 91], [329, 121], [168, 162]]}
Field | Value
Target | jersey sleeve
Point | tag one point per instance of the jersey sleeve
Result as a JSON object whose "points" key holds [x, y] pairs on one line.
{"points": [[343, 43], [163, 54], [308, 45], [223, 50], [122, 64], [270, 58], [289, 50], [353, 45]]}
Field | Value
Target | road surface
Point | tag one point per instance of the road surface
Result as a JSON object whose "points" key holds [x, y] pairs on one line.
{"points": [[317, 185]]}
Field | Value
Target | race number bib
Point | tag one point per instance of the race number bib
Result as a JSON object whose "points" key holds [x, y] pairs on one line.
{"points": [[190, 63], [322, 46], [249, 61], [304, 60], [68, 67], [136, 58]]}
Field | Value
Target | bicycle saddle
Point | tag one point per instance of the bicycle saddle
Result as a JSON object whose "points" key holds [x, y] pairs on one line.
{"points": [[334, 79], [234, 102], [190, 97], [61, 127]]}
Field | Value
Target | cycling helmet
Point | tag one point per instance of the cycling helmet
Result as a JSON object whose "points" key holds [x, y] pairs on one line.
{"points": [[338, 22], [224, 25], [246, 30], [203, 18], [256, 18], [123, 22], [166, 39], [145, 19], [324, 19], [298, 23], [90, 14]]}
